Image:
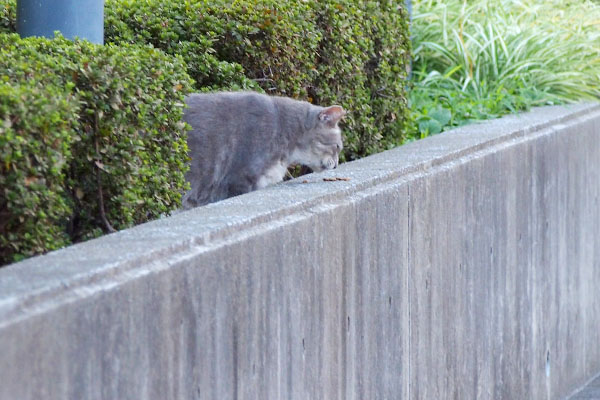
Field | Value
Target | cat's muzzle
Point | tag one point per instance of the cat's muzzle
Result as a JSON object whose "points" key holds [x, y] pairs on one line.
{"points": [[329, 164]]}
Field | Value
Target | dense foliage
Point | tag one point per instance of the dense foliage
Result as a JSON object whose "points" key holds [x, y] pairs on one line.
{"points": [[35, 143], [351, 52], [91, 140], [482, 58]]}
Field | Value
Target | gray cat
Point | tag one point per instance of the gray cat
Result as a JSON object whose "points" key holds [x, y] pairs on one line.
{"points": [[243, 141]]}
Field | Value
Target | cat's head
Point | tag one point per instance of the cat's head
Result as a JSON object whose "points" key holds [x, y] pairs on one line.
{"points": [[321, 144]]}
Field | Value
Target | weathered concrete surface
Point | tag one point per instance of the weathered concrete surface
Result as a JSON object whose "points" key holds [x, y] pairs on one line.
{"points": [[591, 391], [466, 265]]}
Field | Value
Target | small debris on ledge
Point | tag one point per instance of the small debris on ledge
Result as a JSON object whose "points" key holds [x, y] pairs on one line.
{"points": [[335, 179]]}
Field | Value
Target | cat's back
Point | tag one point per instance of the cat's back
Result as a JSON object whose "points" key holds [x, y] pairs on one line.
{"points": [[226, 107]]}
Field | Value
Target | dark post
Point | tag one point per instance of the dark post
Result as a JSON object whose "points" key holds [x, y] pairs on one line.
{"points": [[81, 18]]}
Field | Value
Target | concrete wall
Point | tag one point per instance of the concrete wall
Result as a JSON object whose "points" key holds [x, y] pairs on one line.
{"points": [[465, 265]]}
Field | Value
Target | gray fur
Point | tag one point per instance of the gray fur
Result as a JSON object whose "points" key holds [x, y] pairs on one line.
{"points": [[242, 141]]}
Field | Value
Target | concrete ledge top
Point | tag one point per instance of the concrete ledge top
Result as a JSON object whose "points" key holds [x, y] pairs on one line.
{"points": [[35, 284]]}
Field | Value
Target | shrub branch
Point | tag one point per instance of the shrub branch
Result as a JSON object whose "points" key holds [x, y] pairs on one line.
{"points": [[108, 227]]}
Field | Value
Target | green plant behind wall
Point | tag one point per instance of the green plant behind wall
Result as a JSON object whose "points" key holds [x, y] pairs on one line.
{"points": [[481, 59], [92, 140]]}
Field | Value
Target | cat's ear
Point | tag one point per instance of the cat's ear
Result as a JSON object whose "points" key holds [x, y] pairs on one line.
{"points": [[332, 115]]}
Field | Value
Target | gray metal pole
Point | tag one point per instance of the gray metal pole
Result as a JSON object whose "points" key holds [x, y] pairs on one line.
{"points": [[73, 18]]}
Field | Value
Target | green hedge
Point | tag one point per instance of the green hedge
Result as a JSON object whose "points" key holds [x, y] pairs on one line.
{"points": [[8, 16], [364, 56], [352, 53], [98, 127], [35, 142]]}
